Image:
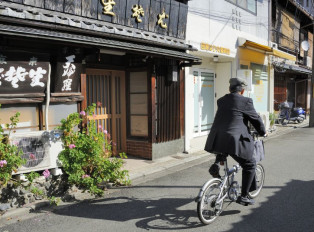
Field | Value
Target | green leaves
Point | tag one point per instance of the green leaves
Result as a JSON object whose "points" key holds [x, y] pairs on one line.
{"points": [[10, 156], [86, 157], [272, 118], [32, 176]]}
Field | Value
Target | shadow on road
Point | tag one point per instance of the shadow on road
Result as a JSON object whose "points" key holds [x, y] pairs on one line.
{"points": [[289, 209], [162, 214]]}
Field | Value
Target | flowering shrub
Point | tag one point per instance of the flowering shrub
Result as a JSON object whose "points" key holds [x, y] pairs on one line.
{"points": [[10, 156], [46, 173], [86, 157]]}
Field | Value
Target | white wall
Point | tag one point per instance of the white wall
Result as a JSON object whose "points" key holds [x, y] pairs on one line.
{"points": [[211, 21]]}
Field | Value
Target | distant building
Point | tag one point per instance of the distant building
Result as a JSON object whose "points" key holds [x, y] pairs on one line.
{"points": [[292, 36], [232, 38]]}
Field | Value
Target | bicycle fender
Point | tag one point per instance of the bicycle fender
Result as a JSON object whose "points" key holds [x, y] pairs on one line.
{"points": [[201, 192]]}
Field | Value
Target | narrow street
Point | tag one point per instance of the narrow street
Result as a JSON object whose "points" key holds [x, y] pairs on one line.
{"points": [[166, 204]]}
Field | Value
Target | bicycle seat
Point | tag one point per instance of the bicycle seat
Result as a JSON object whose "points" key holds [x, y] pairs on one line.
{"points": [[221, 157]]}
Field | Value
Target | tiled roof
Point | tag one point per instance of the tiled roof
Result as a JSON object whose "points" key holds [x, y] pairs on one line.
{"points": [[86, 24], [91, 40]]}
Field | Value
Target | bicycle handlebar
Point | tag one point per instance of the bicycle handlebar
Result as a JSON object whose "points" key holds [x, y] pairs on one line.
{"points": [[256, 134]]}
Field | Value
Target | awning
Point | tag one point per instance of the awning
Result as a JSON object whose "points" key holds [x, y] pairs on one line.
{"points": [[294, 68], [283, 55], [263, 48], [96, 41], [250, 44]]}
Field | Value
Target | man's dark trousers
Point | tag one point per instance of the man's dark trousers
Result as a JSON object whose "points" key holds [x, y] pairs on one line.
{"points": [[248, 173]]}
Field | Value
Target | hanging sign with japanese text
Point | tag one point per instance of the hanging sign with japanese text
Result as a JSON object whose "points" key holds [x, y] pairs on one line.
{"points": [[67, 76], [23, 73]]}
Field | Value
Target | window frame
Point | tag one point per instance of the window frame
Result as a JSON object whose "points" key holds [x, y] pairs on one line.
{"points": [[129, 135], [246, 9]]}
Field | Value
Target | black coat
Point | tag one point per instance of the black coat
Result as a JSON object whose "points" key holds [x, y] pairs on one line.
{"points": [[230, 132]]}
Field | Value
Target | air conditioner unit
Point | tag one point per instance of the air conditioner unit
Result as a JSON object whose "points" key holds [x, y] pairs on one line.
{"points": [[39, 148], [274, 45], [265, 119]]}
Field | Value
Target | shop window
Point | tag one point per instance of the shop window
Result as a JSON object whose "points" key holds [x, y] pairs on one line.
{"points": [[57, 112], [249, 5], [28, 120], [260, 86], [138, 113], [259, 73], [242, 66]]}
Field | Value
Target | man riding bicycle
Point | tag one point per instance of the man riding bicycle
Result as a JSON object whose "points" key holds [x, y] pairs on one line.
{"points": [[230, 135]]}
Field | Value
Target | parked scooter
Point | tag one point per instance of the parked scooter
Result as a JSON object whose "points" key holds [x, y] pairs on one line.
{"points": [[289, 114]]}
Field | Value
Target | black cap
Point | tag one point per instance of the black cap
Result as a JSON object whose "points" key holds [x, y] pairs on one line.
{"points": [[237, 82]]}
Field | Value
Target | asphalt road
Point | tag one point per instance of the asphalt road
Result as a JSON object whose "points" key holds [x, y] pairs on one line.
{"points": [[286, 203]]}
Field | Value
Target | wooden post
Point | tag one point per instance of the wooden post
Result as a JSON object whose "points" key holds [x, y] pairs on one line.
{"points": [[153, 108], [40, 116], [83, 91]]}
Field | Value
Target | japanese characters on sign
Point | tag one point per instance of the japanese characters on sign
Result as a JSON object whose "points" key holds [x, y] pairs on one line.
{"points": [[108, 7], [161, 17], [67, 76], [68, 71], [137, 12], [22, 76], [217, 49]]}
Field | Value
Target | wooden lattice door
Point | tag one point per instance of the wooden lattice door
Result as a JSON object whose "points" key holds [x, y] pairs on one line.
{"points": [[106, 88]]}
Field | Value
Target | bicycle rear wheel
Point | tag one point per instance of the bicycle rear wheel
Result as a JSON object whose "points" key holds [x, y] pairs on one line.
{"points": [[207, 209], [260, 178]]}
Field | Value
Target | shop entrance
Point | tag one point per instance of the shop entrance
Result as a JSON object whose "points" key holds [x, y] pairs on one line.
{"points": [[204, 101], [106, 88]]}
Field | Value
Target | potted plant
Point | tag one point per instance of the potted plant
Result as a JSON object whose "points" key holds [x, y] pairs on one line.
{"points": [[272, 120]]}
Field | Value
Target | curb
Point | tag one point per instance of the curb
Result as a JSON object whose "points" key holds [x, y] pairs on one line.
{"points": [[12, 215], [286, 129], [184, 161]]}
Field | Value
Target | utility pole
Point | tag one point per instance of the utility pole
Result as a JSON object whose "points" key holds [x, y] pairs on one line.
{"points": [[311, 122]]}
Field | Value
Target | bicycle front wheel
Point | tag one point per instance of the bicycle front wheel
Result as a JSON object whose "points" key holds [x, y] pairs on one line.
{"points": [[260, 178], [207, 208]]}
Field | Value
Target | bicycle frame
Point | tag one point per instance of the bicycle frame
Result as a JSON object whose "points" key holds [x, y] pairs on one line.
{"points": [[227, 180]]}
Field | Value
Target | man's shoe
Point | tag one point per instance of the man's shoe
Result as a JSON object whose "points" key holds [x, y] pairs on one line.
{"points": [[245, 201], [214, 170]]}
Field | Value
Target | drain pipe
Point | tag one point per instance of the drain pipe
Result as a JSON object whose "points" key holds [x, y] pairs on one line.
{"points": [[186, 145], [47, 99]]}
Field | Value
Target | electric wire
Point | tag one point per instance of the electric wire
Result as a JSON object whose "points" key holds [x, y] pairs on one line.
{"points": [[224, 17]]}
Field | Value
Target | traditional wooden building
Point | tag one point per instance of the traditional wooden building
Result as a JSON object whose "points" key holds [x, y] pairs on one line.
{"points": [[292, 35], [128, 56]]}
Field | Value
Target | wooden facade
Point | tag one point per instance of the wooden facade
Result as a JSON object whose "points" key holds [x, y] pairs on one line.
{"points": [[139, 93], [292, 88], [292, 25], [93, 9]]}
